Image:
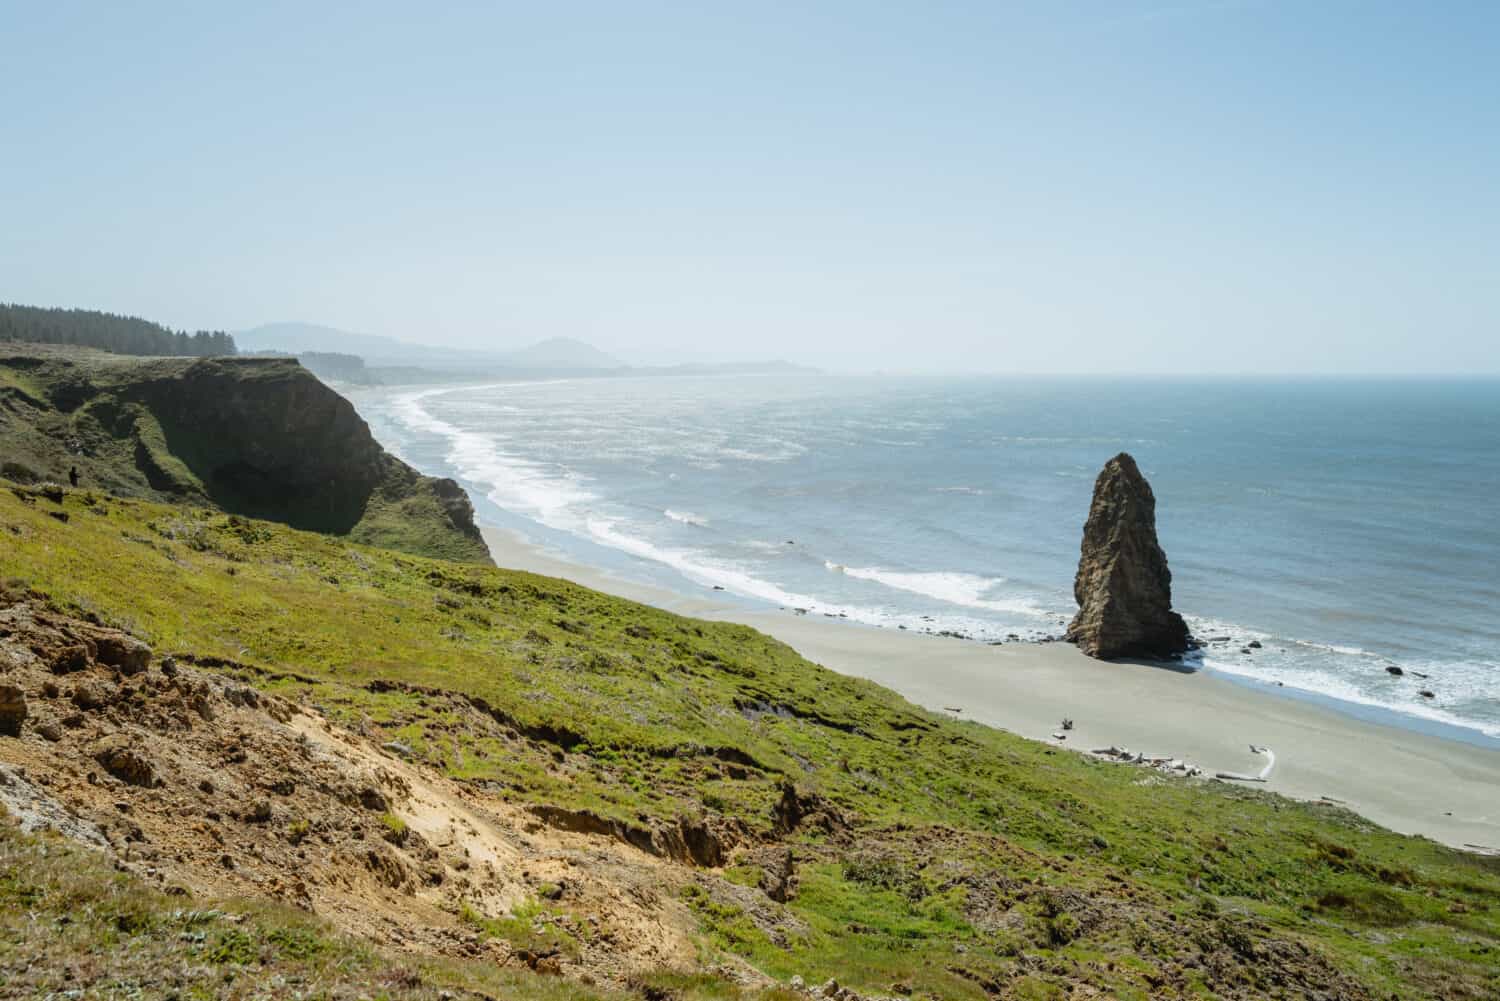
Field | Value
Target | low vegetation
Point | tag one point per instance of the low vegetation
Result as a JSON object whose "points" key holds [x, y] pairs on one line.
{"points": [[828, 827]]}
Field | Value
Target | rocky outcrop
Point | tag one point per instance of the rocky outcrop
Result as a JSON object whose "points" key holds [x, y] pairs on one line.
{"points": [[1123, 587], [260, 437], [12, 709]]}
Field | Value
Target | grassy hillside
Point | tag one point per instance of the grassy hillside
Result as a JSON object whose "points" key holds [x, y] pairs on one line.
{"points": [[839, 830], [258, 437]]}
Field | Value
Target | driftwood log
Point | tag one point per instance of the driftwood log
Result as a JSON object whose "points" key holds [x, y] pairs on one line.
{"points": [[1265, 773]]}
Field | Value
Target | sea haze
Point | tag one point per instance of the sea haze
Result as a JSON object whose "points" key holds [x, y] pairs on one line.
{"points": [[1347, 526]]}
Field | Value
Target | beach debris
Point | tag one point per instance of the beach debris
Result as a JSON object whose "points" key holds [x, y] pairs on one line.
{"points": [[1263, 775], [1123, 587], [1165, 763]]}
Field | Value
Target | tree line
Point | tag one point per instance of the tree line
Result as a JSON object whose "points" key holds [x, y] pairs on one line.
{"points": [[125, 335]]}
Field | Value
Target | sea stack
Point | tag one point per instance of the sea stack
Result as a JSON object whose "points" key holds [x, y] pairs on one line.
{"points": [[1123, 587]]}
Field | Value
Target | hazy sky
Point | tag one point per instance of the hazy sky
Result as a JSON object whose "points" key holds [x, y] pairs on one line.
{"points": [[1048, 186]]}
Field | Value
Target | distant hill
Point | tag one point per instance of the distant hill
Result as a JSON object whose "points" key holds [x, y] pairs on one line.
{"points": [[377, 351], [562, 352], [295, 338], [370, 359]]}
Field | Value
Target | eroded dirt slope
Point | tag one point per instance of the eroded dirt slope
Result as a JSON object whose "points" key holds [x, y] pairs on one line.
{"points": [[198, 782]]}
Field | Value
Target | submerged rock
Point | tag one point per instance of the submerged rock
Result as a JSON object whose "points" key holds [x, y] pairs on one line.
{"points": [[1123, 586]]}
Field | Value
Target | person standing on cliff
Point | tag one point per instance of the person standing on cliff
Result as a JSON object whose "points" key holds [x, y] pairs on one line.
{"points": [[73, 476]]}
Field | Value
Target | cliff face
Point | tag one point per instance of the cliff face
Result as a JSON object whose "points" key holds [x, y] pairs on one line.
{"points": [[259, 437], [1123, 586]]}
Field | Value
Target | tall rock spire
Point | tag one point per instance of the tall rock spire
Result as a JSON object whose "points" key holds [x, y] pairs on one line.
{"points": [[1123, 587]]}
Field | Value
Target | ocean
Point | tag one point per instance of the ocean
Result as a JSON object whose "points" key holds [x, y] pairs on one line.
{"points": [[1347, 525]]}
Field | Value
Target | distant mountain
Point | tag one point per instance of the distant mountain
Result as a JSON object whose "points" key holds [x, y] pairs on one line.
{"points": [[557, 353], [388, 361], [562, 352], [298, 338], [295, 338]]}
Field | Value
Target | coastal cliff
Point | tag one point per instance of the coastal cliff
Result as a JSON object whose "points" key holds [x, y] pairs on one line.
{"points": [[1123, 586], [258, 437]]}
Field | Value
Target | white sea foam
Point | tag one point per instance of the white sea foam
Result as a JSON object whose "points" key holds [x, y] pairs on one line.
{"points": [[697, 567], [708, 571], [550, 495], [964, 589], [1342, 687], [1325, 669], [686, 518]]}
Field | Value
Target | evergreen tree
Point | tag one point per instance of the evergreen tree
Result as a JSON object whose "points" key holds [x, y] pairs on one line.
{"points": [[127, 335]]}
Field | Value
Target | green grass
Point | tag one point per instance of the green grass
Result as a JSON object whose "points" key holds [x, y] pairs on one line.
{"points": [[979, 862]]}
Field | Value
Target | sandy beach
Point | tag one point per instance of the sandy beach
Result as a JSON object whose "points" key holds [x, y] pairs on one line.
{"points": [[1411, 782]]}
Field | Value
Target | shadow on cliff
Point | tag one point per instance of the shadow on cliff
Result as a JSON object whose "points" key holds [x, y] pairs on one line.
{"points": [[264, 440]]}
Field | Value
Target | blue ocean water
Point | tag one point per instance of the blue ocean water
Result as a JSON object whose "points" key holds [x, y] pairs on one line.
{"points": [[1346, 525]]}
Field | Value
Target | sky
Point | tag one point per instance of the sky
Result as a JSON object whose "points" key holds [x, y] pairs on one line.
{"points": [[1102, 187]]}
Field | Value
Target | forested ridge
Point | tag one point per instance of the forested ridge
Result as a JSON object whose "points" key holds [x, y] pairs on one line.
{"points": [[127, 335]]}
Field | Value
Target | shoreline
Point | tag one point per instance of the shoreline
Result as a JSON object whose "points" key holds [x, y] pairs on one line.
{"points": [[1410, 781]]}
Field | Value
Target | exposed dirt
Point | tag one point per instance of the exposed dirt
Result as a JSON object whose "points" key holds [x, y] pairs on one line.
{"points": [[197, 782]]}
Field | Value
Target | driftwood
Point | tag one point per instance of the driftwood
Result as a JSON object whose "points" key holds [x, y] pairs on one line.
{"points": [[1158, 762], [1265, 773]]}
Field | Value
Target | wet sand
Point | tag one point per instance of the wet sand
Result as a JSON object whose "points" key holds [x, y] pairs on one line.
{"points": [[1415, 783]]}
